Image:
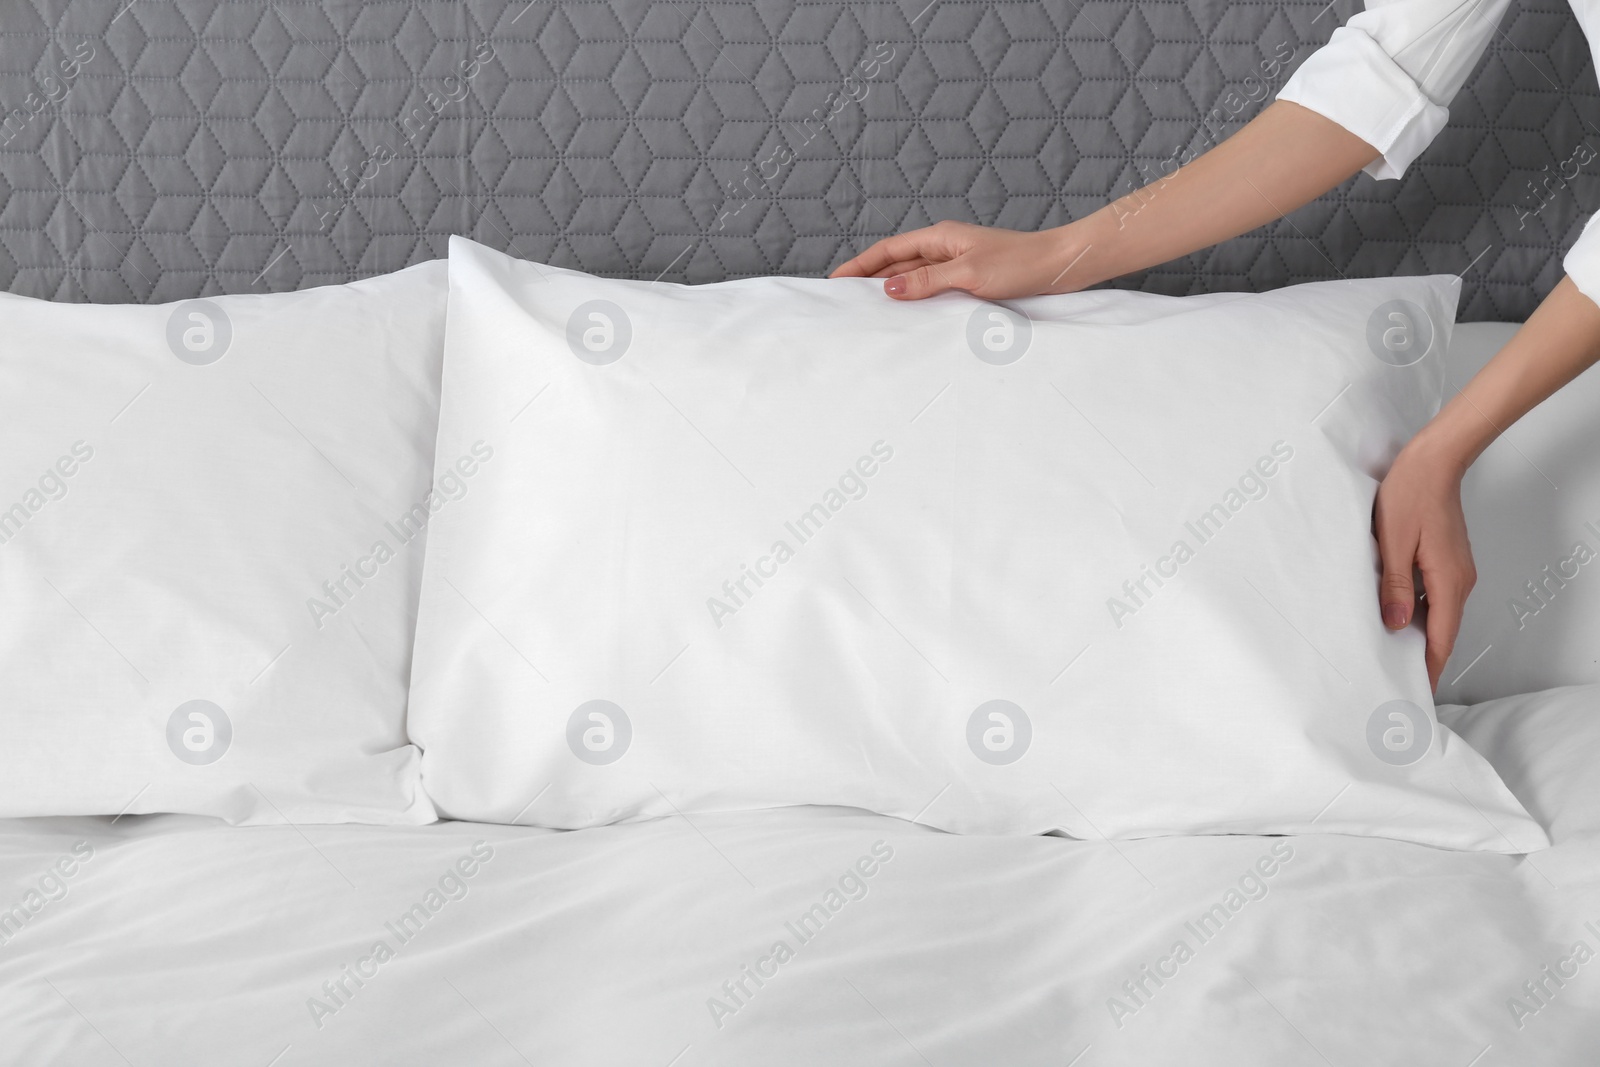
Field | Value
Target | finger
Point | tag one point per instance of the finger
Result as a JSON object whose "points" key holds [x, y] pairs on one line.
{"points": [[902, 267], [914, 244], [1443, 623], [1396, 595], [1447, 599], [858, 266], [929, 280]]}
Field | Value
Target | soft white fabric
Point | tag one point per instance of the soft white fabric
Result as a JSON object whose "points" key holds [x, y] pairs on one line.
{"points": [[1533, 507], [933, 531], [1543, 743], [1582, 260], [1389, 75], [180, 941], [205, 565], [1356, 83]]}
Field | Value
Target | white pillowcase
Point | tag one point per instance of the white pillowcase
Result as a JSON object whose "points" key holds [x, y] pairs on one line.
{"points": [[198, 613], [785, 541], [1545, 746]]}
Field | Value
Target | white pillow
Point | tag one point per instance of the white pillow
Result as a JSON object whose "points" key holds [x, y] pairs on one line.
{"points": [[785, 541], [1545, 746], [177, 484]]}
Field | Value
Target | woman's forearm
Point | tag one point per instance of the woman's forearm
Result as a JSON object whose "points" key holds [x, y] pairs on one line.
{"points": [[1560, 340], [1282, 159]]}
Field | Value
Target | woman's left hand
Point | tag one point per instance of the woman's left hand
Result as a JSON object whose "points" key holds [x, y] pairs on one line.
{"points": [[1420, 526]]}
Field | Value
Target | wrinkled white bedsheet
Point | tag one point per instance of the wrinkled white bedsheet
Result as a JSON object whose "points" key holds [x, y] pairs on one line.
{"points": [[179, 940]]}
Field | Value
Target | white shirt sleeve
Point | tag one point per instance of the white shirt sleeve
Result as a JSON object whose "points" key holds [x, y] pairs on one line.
{"points": [[1583, 260], [1390, 74]]}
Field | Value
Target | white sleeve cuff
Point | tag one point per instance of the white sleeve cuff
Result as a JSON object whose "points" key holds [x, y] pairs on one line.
{"points": [[1582, 261], [1354, 82]]}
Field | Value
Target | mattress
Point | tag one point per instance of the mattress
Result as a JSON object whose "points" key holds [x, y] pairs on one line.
{"points": [[812, 935]]}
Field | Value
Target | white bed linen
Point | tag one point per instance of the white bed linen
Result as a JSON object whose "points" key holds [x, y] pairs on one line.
{"points": [[184, 941], [1533, 510], [212, 523], [949, 611]]}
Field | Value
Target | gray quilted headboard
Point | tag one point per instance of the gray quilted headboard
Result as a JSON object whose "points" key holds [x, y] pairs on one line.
{"points": [[164, 149]]}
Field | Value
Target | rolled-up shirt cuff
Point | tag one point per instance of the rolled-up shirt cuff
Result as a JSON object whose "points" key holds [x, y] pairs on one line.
{"points": [[1354, 82], [1582, 261]]}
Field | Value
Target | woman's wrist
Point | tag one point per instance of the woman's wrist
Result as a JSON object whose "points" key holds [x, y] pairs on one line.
{"points": [[1454, 439], [1080, 254]]}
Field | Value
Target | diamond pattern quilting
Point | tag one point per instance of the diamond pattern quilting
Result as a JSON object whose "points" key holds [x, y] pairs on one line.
{"points": [[165, 149]]}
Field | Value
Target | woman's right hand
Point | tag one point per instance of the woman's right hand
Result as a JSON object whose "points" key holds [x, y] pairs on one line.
{"points": [[987, 262], [1283, 158]]}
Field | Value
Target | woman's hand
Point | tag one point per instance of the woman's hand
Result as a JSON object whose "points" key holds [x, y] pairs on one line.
{"points": [[1284, 157], [991, 263], [1420, 525], [1418, 516]]}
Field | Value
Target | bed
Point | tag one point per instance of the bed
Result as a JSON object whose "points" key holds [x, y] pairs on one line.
{"points": [[180, 940], [183, 941], [216, 147]]}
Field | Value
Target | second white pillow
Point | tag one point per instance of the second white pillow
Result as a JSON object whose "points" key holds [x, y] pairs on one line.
{"points": [[1098, 563]]}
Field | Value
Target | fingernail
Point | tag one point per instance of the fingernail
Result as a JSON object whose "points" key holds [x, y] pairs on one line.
{"points": [[895, 286], [1394, 616]]}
